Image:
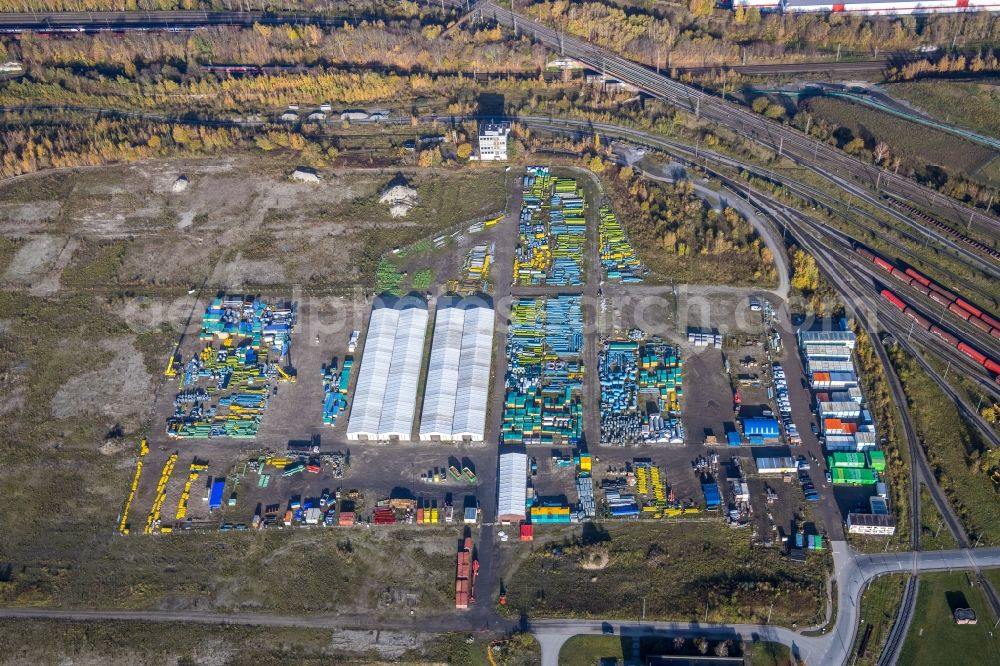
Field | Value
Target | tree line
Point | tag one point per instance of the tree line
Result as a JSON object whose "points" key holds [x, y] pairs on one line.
{"points": [[380, 45], [694, 35]]}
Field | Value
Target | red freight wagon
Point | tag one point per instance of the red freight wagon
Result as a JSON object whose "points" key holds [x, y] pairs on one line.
{"points": [[944, 292], [990, 320], [918, 277], [882, 263], [916, 317], [900, 275], [972, 353], [992, 366], [939, 298], [968, 307], [866, 254], [945, 335], [892, 298], [959, 312], [980, 324]]}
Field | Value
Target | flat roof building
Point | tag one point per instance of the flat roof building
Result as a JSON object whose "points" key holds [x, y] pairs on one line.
{"points": [[869, 523], [824, 338], [776, 465], [493, 141]]}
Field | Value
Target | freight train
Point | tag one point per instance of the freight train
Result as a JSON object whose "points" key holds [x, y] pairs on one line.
{"points": [[944, 227], [921, 321], [957, 305]]}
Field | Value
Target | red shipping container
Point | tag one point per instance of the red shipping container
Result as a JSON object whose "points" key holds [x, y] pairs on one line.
{"points": [[527, 532]]}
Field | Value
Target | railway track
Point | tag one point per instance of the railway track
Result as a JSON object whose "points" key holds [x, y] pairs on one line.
{"points": [[894, 644], [815, 155]]}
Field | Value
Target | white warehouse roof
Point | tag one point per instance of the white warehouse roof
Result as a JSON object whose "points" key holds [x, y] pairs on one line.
{"points": [[458, 375], [845, 338], [394, 347], [442, 375], [512, 484]]}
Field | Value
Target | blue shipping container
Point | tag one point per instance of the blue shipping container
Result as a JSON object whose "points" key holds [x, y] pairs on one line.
{"points": [[215, 498]]}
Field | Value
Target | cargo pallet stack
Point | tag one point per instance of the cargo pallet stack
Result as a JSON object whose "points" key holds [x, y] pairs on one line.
{"points": [[618, 257], [335, 385], [544, 372], [552, 231], [618, 369], [123, 525], [238, 374]]}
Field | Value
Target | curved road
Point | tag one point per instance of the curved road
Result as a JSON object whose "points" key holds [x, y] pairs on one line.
{"points": [[853, 573]]}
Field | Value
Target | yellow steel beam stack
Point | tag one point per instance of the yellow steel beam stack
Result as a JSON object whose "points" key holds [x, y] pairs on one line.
{"points": [[182, 504], [161, 493], [123, 523]]}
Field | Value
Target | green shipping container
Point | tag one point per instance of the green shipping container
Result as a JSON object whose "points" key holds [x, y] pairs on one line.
{"points": [[877, 460], [848, 459], [852, 477]]}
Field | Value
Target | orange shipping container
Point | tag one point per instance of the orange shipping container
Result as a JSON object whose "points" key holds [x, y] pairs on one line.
{"points": [[832, 424]]}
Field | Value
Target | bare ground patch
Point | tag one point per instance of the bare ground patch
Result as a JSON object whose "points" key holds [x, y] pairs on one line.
{"points": [[121, 389]]}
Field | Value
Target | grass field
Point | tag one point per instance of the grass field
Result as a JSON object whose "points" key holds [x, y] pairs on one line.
{"points": [[771, 654], [53, 642], [592, 650], [879, 604], [953, 450], [975, 106], [915, 143], [935, 639], [598, 650], [934, 533], [718, 577]]}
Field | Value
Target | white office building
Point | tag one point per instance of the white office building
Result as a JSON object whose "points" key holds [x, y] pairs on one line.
{"points": [[493, 141]]}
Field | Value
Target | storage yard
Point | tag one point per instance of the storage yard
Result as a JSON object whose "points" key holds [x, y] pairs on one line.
{"points": [[544, 372], [641, 387], [383, 417], [551, 232], [225, 389]]}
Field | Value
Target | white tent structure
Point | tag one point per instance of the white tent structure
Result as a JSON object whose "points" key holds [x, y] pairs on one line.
{"points": [[442, 375], [474, 375], [458, 375], [512, 482], [383, 408]]}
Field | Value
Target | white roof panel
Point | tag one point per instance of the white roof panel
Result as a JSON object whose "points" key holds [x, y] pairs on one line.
{"points": [[512, 482]]}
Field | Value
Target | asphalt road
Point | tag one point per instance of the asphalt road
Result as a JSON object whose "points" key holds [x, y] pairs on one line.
{"points": [[853, 573]]}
